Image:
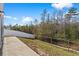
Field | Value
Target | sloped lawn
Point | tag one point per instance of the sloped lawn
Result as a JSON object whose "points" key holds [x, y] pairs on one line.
{"points": [[44, 48]]}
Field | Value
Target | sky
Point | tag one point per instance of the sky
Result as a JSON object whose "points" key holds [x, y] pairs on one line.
{"points": [[24, 13]]}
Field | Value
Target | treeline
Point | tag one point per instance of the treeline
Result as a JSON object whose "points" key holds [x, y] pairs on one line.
{"points": [[59, 25], [23, 28]]}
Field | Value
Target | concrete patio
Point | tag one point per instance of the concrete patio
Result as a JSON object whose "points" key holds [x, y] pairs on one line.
{"points": [[14, 47]]}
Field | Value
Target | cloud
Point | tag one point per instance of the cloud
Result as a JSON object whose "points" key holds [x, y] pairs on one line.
{"points": [[10, 17], [7, 17], [62, 5], [21, 21], [27, 19], [15, 18]]}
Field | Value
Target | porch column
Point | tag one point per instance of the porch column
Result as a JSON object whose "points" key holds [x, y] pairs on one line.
{"points": [[1, 27]]}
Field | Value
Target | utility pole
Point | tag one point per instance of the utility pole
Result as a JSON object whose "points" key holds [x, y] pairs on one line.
{"points": [[1, 27]]}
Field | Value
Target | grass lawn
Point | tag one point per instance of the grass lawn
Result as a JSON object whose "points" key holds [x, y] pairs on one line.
{"points": [[44, 48]]}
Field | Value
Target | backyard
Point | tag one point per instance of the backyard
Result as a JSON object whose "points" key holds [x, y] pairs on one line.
{"points": [[52, 30]]}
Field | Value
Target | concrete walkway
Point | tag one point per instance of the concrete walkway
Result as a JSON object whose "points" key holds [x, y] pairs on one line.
{"points": [[14, 47]]}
